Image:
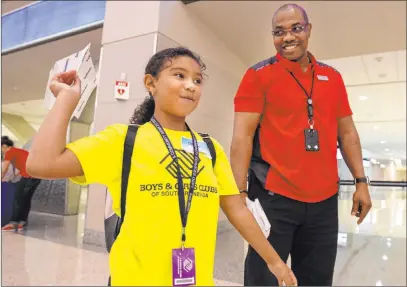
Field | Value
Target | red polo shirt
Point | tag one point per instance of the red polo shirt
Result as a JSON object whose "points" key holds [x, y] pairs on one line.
{"points": [[18, 158], [268, 88]]}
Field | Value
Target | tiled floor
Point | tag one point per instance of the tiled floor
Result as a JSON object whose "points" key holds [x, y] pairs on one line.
{"points": [[51, 252]]}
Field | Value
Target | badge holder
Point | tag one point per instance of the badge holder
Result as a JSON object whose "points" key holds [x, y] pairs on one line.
{"points": [[183, 265], [311, 138]]}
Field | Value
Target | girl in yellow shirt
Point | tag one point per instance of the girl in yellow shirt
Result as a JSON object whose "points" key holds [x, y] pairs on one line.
{"points": [[169, 233]]}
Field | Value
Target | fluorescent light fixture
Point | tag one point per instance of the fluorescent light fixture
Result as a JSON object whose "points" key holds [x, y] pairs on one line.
{"points": [[363, 98], [376, 127], [386, 149], [382, 142], [382, 166]]}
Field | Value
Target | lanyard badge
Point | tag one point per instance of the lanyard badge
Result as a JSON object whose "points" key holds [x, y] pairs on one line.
{"points": [[310, 135], [183, 259]]}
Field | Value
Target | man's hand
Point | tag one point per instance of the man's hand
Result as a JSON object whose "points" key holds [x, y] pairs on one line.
{"points": [[283, 273], [361, 197]]}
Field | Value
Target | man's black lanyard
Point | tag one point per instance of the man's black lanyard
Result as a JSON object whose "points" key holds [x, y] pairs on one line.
{"points": [[184, 210], [310, 107]]}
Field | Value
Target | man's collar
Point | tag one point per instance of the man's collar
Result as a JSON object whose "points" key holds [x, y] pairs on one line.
{"points": [[294, 66]]}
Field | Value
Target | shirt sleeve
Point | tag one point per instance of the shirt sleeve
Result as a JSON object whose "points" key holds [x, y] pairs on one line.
{"points": [[100, 155], [344, 109], [8, 156], [249, 97], [223, 172]]}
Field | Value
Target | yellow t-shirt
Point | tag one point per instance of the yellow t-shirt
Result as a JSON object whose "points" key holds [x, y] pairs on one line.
{"points": [[141, 255]]}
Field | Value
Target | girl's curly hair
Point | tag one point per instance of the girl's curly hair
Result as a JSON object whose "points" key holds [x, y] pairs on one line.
{"points": [[144, 112]]}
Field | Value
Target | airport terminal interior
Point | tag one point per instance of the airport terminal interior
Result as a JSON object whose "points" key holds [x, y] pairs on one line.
{"points": [[64, 241]]}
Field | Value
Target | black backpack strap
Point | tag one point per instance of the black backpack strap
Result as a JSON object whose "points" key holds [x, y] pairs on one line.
{"points": [[207, 139], [127, 155]]}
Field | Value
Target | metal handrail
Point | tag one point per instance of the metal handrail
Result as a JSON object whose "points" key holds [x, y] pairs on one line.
{"points": [[377, 183]]}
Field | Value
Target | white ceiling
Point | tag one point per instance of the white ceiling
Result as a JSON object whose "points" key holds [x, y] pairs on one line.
{"points": [[340, 28], [376, 86]]}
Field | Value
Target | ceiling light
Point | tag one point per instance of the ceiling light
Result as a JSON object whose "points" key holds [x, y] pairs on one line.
{"points": [[363, 98], [379, 283], [376, 127], [386, 149], [382, 166], [385, 257], [382, 142]]}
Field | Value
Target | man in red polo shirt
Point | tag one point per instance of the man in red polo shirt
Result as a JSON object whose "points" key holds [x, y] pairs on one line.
{"points": [[25, 188], [290, 111]]}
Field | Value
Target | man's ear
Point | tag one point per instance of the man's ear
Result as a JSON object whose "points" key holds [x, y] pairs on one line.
{"points": [[149, 83], [309, 30]]}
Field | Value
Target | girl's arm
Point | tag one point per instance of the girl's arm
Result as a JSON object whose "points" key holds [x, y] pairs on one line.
{"points": [[242, 219], [48, 157]]}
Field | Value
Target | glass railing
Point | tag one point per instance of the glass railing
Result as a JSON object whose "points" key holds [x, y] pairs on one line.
{"points": [[45, 19]]}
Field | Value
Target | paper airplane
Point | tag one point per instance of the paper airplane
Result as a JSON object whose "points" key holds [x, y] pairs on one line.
{"points": [[82, 63]]}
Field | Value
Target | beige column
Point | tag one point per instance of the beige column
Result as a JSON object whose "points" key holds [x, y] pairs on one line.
{"points": [[129, 40]]}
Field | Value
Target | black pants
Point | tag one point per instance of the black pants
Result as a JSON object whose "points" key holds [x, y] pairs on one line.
{"points": [[306, 231], [25, 189]]}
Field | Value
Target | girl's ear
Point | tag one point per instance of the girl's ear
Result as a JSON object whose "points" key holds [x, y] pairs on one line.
{"points": [[149, 83]]}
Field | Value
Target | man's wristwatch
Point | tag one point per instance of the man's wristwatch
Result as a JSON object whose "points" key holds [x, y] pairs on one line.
{"points": [[362, 180]]}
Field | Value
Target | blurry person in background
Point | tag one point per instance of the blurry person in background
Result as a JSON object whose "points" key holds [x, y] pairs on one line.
{"points": [[12, 174], [25, 188]]}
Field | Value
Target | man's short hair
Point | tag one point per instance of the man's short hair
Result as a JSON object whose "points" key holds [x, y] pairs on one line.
{"points": [[292, 6]]}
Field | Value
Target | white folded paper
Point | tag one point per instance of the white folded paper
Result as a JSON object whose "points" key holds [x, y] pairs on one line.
{"points": [[82, 63], [257, 210]]}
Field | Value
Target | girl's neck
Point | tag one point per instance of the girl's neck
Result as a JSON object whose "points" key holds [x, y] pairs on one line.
{"points": [[170, 122]]}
